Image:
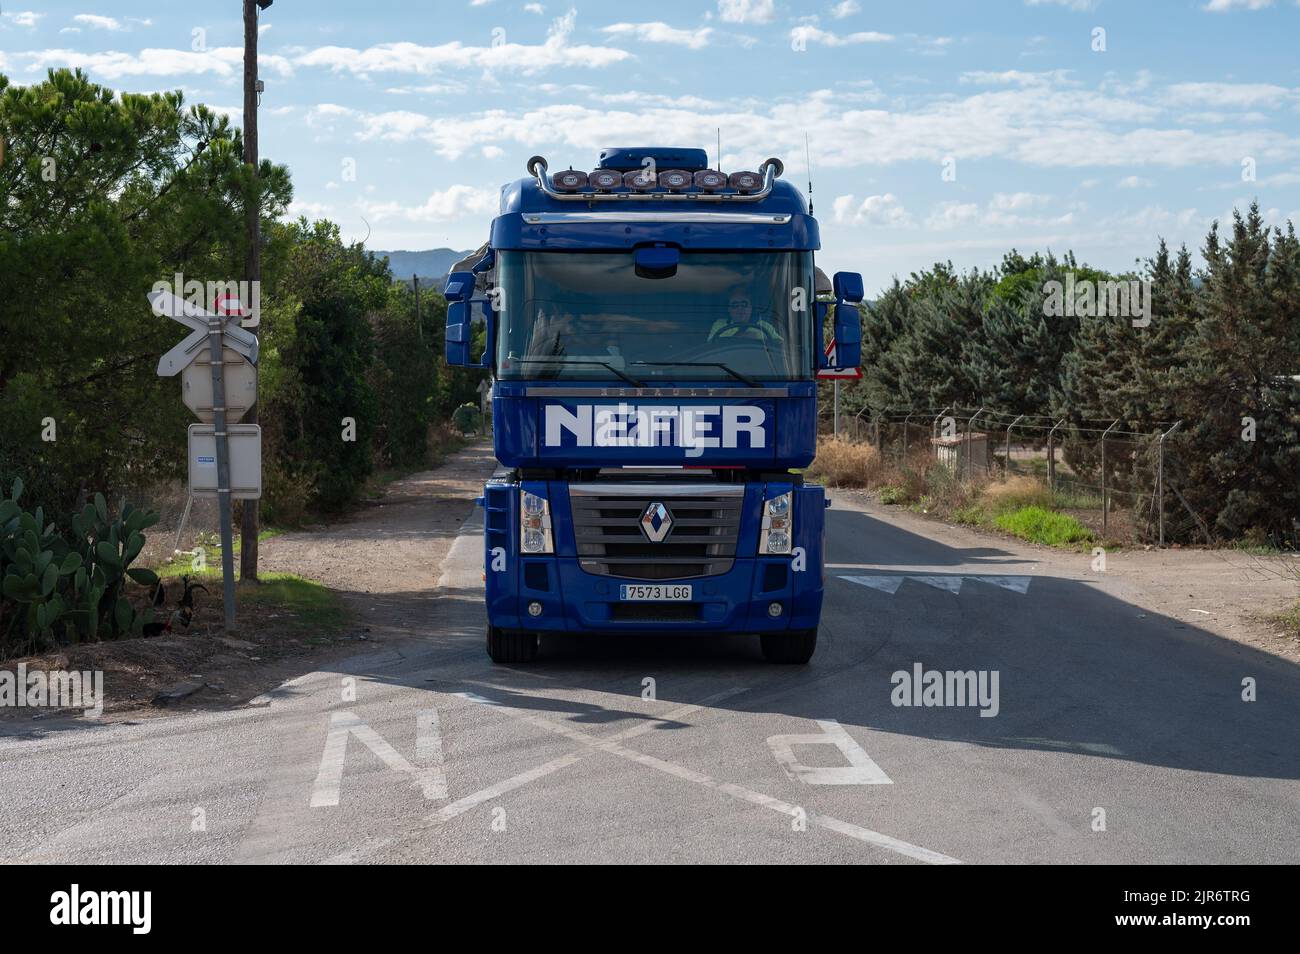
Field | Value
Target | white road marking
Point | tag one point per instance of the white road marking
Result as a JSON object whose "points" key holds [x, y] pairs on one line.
{"points": [[735, 791], [886, 584], [951, 583], [861, 770], [462, 805], [428, 748]]}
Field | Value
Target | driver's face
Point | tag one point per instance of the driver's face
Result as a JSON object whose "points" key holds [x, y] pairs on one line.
{"points": [[739, 308]]}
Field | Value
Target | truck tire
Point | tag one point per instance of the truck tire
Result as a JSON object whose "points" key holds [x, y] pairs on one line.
{"points": [[508, 647], [796, 646]]}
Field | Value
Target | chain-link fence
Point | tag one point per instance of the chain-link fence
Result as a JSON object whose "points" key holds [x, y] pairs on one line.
{"points": [[1110, 479]]}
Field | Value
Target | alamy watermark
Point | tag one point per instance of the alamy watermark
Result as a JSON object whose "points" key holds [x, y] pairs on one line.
{"points": [[242, 299], [951, 688], [56, 689], [1089, 299]]}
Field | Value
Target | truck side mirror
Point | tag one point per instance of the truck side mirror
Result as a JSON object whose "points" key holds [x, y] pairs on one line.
{"points": [[460, 286], [848, 287], [459, 332], [848, 336]]}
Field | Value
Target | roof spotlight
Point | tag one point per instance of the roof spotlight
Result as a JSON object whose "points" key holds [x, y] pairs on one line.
{"points": [[710, 180], [675, 179], [746, 181], [605, 179], [570, 181], [643, 180]]}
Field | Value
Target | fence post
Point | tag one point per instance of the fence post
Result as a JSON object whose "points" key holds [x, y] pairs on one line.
{"points": [[970, 465], [1105, 499], [1006, 466], [875, 427], [857, 422], [908, 418], [1051, 456], [934, 426], [1160, 478]]}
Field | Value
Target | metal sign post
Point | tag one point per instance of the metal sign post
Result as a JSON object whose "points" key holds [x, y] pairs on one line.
{"points": [[216, 345], [219, 334]]}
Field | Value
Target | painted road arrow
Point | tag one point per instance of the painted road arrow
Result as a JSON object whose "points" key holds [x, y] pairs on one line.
{"points": [[890, 582]]}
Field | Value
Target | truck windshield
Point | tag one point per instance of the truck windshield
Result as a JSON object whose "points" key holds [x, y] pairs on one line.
{"points": [[730, 316]]}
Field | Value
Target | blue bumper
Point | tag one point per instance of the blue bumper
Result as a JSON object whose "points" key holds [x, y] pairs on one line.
{"points": [[576, 601]]}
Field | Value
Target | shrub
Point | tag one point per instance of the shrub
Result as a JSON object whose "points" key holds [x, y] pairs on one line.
{"points": [[467, 419], [63, 587], [1043, 526]]}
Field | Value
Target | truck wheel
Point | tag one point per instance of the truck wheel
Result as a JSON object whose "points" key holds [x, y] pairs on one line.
{"points": [[507, 647], [796, 646]]}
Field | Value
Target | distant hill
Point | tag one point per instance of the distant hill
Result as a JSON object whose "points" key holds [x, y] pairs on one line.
{"points": [[431, 263]]}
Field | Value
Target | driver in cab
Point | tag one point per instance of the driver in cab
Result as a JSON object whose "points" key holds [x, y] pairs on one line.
{"points": [[741, 322]]}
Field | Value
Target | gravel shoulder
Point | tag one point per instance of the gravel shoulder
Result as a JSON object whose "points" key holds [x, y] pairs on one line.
{"points": [[383, 560]]}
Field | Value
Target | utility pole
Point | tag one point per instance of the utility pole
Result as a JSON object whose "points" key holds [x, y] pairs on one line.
{"points": [[415, 285], [253, 254]]}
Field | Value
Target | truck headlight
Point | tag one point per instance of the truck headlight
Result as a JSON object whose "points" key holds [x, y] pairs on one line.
{"points": [[777, 527], [535, 524]]}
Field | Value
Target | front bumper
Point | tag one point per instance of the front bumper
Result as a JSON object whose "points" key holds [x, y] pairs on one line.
{"points": [[737, 601]]}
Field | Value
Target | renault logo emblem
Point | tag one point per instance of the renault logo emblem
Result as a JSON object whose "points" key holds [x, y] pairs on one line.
{"points": [[656, 521]]}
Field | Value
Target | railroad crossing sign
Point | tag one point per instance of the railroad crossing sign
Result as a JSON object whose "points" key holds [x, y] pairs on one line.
{"points": [[217, 362], [195, 318]]}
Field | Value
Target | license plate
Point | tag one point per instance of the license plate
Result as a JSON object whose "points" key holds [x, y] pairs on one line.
{"points": [[655, 592]]}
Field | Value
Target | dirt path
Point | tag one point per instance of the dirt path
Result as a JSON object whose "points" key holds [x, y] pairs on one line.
{"points": [[385, 560]]}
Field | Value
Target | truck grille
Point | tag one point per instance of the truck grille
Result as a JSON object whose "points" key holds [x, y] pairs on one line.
{"points": [[701, 542]]}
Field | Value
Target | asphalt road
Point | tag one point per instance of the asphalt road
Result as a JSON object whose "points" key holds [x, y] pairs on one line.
{"points": [[1120, 736]]}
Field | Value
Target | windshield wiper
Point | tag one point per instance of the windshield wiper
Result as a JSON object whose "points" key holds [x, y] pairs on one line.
{"points": [[602, 364], [701, 364]]}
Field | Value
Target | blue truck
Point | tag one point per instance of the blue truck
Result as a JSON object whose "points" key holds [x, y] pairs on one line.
{"points": [[654, 329]]}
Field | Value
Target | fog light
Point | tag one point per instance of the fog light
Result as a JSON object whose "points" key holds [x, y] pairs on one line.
{"points": [[774, 610], [534, 608]]}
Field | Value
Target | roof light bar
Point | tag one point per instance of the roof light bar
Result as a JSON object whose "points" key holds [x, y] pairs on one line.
{"points": [[643, 186], [570, 181]]}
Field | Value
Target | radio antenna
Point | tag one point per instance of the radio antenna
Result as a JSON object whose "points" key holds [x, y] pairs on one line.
{"points": [[719, 148], [807, 153]]}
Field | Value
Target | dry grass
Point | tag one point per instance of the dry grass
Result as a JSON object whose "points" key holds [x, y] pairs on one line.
{"points": [[1015, 492], [842, 463]]}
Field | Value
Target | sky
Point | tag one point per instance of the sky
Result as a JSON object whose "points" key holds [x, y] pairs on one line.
{"points": [[939, 131]]}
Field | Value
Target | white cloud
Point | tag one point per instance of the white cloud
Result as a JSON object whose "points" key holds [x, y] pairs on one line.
{"points": [[948, 215], [406, 57], [23, 18], [1230, 95], [884, 210], [1035, 126], [224, 61], [845, 8], [1016, 78], [451, 203], [1134, 182], [1081, 5], [810, 34], [659, 32], [1017, 201], [312, 210], [746, 11], [97, 22], [536, 8], [1224, 6]]}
